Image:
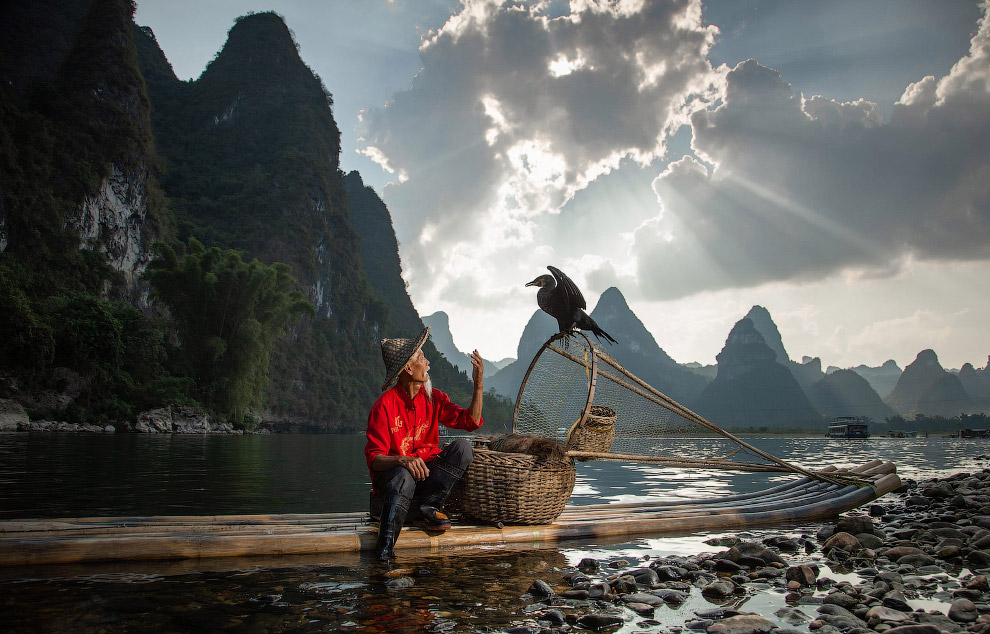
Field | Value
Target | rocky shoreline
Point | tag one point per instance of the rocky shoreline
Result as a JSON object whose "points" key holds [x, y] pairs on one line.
{"points": [[928, 543], [175, 419]]}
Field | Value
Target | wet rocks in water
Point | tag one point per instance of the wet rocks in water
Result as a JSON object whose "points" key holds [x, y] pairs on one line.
{"points": [[843, 541], [400, 583], [741, 624], [804, 575], [963, 611], [719, 589], [541, 588], [900, 553], [598, 621]]}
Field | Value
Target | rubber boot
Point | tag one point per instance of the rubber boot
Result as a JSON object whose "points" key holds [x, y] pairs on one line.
{"points": [[393, 515], [444, 476]]}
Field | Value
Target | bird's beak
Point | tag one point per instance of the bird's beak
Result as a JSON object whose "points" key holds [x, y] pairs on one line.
{"points": [[535, 282]]}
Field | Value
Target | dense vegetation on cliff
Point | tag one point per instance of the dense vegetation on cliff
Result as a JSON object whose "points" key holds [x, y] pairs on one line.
{"points": [[66, 125], [239, 171]]}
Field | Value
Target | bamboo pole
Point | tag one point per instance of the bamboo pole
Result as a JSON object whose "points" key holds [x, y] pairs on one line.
{"points": [[665, 401]]}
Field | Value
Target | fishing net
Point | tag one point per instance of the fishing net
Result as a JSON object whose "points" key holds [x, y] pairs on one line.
{"points": [[576, 393]]}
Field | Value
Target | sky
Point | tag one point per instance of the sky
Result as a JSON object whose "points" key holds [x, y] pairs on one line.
{"points": [[829, 161]]}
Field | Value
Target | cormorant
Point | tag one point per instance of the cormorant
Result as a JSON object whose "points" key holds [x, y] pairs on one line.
{"points": [[560, 298]]}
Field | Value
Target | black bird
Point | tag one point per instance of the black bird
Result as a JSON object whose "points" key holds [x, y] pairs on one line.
{"points": [[560, 298]]}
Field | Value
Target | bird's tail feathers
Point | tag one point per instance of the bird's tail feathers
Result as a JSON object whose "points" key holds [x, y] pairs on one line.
{"points": [[601, 334]]}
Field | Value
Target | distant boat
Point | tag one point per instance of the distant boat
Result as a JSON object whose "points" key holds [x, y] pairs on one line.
{"points": [[896, 433], [974, 433], [847, 427]]}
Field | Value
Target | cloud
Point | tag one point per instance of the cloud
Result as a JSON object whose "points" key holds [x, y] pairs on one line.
{"points": [[513, 112], [788, 188]]}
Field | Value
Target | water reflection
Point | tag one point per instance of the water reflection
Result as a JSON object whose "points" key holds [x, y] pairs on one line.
{"points": [[67, 475], [455, 590]]}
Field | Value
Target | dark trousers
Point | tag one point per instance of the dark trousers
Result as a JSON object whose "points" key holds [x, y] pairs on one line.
{"points": [[398, 484]]}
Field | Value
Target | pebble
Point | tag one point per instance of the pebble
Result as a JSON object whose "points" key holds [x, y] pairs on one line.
{"points": [[598, 621], [963, 611], [741, 624], [929, 541]]}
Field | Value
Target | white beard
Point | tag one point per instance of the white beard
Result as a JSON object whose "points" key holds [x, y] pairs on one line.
{"points": [[428, 389]]}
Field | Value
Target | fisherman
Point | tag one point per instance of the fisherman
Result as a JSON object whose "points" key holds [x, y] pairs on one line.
{"points": [[403, 452]]}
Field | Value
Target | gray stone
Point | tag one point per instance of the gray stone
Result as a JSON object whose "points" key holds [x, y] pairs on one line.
{"points": [[720, 589], [190, 420], [914, 629], [949, 533], [156, 421], [727, 565], [742, 624], [554, 617], [869, 540], [599, 621], [917, 560], [401, 583], [642, 597], [897, 552], [854, 524], [540, 588], [642, 609], [948, 552], [832, 609], [963, 611], [939, 620], [589, 565], [646, 577], [12, 415], [841, 599], [842, 541], [843, 623], [670, 573], [624, 584], [940, 490], [753, 549], [979, 559], [802, 574], [881, 614], [794, 616], [670, 596], [979, 582], [599, 591], [895, 599]]}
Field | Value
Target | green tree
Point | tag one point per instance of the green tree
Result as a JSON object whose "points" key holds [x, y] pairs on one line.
{"points": [[227, 313]]}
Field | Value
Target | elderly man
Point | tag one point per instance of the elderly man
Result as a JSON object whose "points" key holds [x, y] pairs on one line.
{"points": [[403, 452]]}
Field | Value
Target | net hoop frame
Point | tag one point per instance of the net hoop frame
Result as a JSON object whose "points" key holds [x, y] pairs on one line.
{"points": [[651, 393], [592, 369]]}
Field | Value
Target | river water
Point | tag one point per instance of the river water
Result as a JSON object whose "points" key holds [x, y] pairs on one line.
{"points": [[46, 475]]}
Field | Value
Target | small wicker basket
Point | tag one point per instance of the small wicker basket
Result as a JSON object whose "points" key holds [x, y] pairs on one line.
{"points": [[595, 433], [514, 488]]}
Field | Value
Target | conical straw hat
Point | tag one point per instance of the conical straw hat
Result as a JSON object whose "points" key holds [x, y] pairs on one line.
{"points": [[397, 353]]}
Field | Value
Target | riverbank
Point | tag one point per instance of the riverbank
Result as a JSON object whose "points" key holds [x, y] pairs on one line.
{"points": [[866, 572]]}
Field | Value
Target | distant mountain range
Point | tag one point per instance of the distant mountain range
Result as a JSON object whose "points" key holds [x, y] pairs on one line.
{"points": [[755, 383]]}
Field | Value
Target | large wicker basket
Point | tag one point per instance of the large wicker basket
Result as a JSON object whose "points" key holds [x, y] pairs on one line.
{"points": [[595, 433], [514, 488]]}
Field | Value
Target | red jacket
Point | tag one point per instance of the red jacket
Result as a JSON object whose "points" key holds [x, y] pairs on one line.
{"points": [[400, 426]]}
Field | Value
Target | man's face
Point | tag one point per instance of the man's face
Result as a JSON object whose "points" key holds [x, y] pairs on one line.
{"points": [[418, 367]]}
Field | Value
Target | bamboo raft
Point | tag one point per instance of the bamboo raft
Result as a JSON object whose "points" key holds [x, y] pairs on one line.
{"points": [[96, 539]]}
